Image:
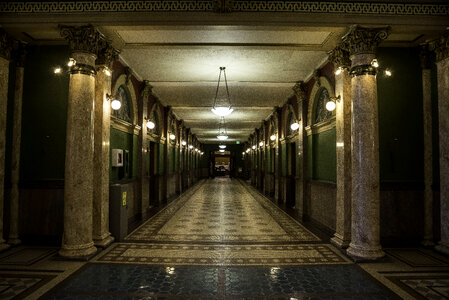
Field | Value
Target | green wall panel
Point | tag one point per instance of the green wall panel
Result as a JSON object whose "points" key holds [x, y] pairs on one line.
{"points": [[400, 116], [268, 159], [124, 141], [435, 128], [325, 156], [284, 159], [161, 159], [309, 158], [44, 114]]}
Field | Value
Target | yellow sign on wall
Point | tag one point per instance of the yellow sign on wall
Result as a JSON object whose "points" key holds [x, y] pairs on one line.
{"points": [[124, 198]]}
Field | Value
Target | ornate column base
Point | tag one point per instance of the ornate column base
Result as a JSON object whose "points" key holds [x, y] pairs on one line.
{"points": [[442, 247], [103, 242], [339, 241], [78, 251], [3, 246], [14, 241], [362, 253]]}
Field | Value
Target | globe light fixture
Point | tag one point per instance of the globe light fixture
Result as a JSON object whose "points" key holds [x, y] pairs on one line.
{"points": [[57, 70], [254, 147], [71, 62], [221, 150], [183, 143], [150, 124], [294, 126], [116, 104], [247, 150], [375, 63], [261, 144], [222, 110], [190, 147], [172, 136], [273, 137], [330, 105], [388, 73]]}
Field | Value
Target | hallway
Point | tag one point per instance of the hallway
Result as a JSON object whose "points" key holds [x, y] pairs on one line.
{"points": [[221, 240]]}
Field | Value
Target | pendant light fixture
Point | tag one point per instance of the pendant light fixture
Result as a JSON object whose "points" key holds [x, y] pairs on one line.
{"points": [[222, 111], [222, 133]]}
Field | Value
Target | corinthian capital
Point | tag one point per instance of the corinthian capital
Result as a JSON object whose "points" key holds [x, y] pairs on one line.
{"points": [[81, 38], [5, 45], [360, 40], [441, 46], [147, 89], [106, 53], [300, 90], [340, 57]]}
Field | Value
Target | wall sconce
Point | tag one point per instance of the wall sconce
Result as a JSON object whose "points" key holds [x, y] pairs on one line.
{"points": [[57, 70], [273, 137], [261, 144], [331, 104], [388, 73], [247, 150], [115, 104], [172, 136], [254, 147], [375, 63], [338, 71], [107, 72], [190, 147], [294, 126], [149, 124], [183, 143]]}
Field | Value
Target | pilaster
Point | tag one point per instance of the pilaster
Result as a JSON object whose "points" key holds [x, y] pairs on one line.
{"points": [[77, 239], [361, 43], [5, 54], [340, 58], [102, 123], [143, 153], [15, 147], [300, 90], [441, 48]]}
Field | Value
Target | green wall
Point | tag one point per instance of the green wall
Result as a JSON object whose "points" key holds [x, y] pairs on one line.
{"points": [[400, 116], [161, 162], [322, 156], [44, 114], [435, 128], [124, 141]]}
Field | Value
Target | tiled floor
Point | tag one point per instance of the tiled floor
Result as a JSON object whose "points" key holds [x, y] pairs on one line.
{"points": [[222, 240]]}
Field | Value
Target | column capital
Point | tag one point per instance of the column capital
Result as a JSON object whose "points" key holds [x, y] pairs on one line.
{"points": [[147, 88], [300, 90], [361, 40], [441, 46], [340, 57], [81, 38], [106, 54], [5, 45], [424, 56]]}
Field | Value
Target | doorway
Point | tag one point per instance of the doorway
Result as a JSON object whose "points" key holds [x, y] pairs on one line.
{"points": [[222, 163]]}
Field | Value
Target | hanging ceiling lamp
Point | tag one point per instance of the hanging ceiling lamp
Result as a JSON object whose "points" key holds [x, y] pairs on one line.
{"points": [[222, 111], [222, 133]]}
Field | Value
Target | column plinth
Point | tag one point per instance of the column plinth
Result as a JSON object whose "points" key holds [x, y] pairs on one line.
{"points": [[365, 210]]}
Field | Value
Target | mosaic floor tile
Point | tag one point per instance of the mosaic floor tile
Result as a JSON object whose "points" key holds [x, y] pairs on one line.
{"points": [[222, 212], [424, 286], [17, 286], [226, 255], [127, 281]]}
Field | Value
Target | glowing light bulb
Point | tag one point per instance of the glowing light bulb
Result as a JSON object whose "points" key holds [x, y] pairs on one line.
{"points": [[172, 136], [338, 71], [222, 137], [330, 105], [261, 144], [107, 72], [222, 111], [190, 146], [221, 150], [294, 126], [57, 70], [222, 146], [150, 125], [254, 147], [388, 73], [375, 63], [71, 62], [273, 137], [183, 143], [116, 104]]}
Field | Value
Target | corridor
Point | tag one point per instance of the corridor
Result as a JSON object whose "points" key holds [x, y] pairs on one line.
{"points": [[221, 240]]}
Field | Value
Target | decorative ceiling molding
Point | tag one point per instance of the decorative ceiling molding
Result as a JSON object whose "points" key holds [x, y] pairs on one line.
{"points": [[328, 7]]}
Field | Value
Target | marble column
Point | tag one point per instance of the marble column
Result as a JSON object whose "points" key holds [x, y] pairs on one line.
{"points": [[77, 239], [342, 236], [143, 144], [102, 123], [365, 211], [15, 153], [300, 90], [441, 48], [5, 52], [277, 157], [427, 124]]}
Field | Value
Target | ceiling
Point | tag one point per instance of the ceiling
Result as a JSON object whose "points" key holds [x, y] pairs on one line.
{"points": [[262, 65]]}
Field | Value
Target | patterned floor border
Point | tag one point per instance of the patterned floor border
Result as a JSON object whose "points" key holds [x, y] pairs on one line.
{"points": [[222, 255], [423, 286], [19, 286]]}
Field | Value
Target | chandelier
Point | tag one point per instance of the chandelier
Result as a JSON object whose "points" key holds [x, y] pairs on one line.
{"points": [[222, 111], [222, 133]]}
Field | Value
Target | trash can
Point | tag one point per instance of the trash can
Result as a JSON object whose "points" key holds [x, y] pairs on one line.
{"points": [[118, 211]]}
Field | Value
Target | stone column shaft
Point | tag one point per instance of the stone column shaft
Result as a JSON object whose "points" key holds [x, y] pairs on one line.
{"points": [[143, 142], [428, 174], [5, 49], [442, 53], [79, 160], [15, 153], [365, 211], [102, 116]]}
